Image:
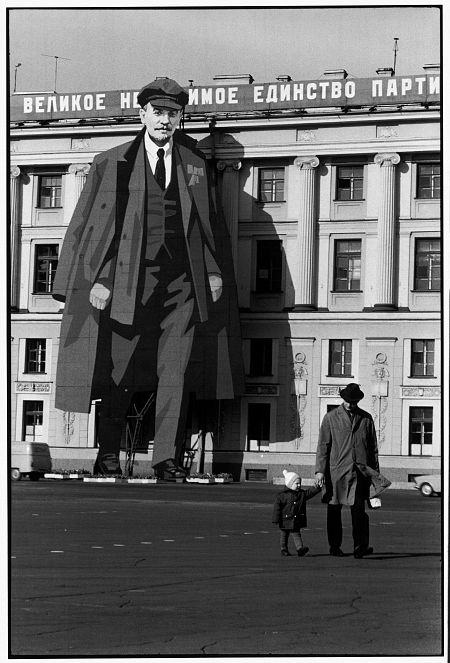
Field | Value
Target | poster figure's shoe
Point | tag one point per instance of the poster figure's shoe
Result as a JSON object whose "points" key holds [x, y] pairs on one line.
{"points": [[362, 551], [336, 552], [302, 551], [168, 470], [285, 553], [107, 464]]}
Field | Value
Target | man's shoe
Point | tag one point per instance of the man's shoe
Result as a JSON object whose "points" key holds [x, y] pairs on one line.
{"points": [[362, 551], [302, 551], [336, 552], [285, 553], [107, 465], [169, 471]]}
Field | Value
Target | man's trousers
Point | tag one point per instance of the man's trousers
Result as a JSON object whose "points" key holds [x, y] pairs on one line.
{"points": [[360, 520]]}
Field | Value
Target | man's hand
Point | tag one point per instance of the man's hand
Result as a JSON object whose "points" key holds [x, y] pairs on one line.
{"points": [[320, 479], [99, 296], [215, 284]]}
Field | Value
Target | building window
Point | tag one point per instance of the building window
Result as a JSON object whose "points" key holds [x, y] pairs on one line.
{"points": [[427, 264], [349, 182], [50, 187], [347, 265], [35, 355], [46, 262], [261, 356], [268, 266], [271, 185], [420, 431], [340, 358], [258, 431], [33, 414], [428, 180], [422, 358]]}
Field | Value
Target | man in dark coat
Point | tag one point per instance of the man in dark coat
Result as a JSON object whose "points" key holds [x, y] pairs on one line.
{"points": [[147, 278], [346, 464]]}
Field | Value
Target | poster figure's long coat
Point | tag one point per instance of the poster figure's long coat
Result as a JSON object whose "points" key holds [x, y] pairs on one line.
{"points": [[344, 445], [106, 235]]}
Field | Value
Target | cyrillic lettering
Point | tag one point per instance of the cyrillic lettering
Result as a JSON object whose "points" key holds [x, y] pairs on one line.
{"points": [[39, 105], [420, 81], [377, 88], [257, 92], [323, 85], [272, 96], [433, 85], [207, 95], [232, 92], [100, 101], [406, 85], [193, 96], [28, 104], [336, 89], [391, 87], [125, 99], [285, 93], [311, 90], [220, 95], [350, 89], [297, 92]]}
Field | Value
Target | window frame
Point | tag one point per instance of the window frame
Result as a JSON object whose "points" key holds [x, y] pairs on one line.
{"points": [[50, 273], [39, 197], [345, 352], [424, 420], [29, 411], [433, 178], [274, 288], [348, 254], [268, 424], [338, 190], [274, 180], [41, 358], [266, 362], [416, 279], [426, 351]]}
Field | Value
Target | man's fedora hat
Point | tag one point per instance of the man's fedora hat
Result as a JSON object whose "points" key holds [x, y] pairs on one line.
{"points": [[163, 92], [351, 393]]}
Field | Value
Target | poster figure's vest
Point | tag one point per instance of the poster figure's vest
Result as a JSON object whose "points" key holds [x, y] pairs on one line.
{"points": [[165, 252]]}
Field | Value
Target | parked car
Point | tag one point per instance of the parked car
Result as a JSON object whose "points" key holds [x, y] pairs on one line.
{"points": [[428, 484], [31, 459]]}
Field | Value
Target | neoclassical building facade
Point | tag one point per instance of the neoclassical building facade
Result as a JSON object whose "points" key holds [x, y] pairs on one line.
{"points": [[333, 207]]}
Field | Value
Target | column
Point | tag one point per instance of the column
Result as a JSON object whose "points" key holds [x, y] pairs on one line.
{"points": [[304, 295], [80, 171], [14, 179], [230, 201], [386, 231]]}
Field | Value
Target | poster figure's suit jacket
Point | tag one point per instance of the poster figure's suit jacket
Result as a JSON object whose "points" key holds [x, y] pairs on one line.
{"points": [[104, 242]]}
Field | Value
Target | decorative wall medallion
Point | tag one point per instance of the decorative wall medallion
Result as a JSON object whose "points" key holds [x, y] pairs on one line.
{"points": [[306, 136], [81, 144]]}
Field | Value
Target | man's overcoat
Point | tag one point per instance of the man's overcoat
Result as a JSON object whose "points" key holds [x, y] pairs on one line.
{"points": [[105, 239], [344, 446]]}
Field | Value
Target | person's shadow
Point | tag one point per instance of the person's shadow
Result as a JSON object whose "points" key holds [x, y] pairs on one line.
{"points": [[267, 415]]}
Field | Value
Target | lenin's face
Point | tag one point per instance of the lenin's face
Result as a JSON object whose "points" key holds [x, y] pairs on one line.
{"points": [[160, 122]]}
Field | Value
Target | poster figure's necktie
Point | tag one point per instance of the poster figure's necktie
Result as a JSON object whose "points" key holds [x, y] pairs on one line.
{"points": [[160, 170]]}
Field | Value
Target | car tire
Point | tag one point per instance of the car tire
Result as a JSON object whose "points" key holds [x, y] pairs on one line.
{"points": [[426, 490], [16, 474], [34, 476]]}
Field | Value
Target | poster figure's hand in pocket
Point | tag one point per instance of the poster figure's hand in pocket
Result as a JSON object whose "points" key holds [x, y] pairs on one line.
{"points": [[99, 296], [215, 284]]}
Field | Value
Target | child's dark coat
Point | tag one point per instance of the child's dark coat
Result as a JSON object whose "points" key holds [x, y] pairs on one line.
{"points": [[289, 510]]}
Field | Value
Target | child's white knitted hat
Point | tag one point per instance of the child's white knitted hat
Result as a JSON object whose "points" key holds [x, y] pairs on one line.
{"points": [[290, 478]]}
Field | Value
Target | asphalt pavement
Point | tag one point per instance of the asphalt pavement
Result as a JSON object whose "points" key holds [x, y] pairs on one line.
{"points": [[195, 570]]}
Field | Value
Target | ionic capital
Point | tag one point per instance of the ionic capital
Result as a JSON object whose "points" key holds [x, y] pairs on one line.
{"points": [[307, 162], [228, 165], [14, 172], [387, 159], [79, 169]]}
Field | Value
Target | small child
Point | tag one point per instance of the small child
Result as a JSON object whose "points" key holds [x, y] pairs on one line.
{"points": [[289, 512]]}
